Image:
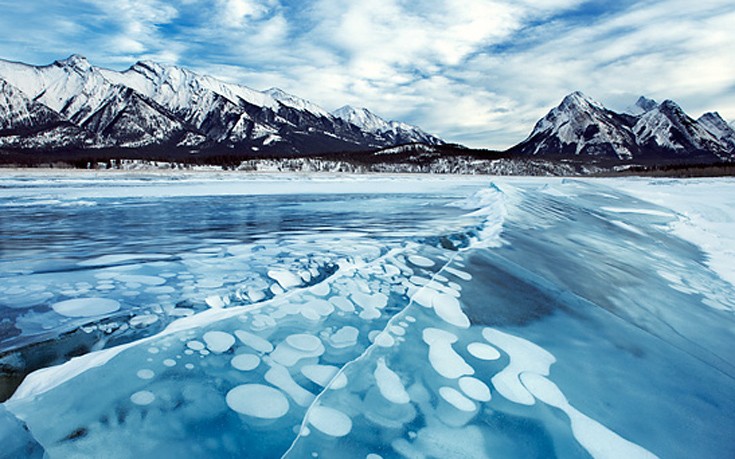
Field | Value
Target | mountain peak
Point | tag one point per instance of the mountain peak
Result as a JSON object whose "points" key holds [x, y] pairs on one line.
{"points": [[646, 104], [578, 100], [75, 61]]}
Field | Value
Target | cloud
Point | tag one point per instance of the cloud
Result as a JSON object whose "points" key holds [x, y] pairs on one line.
{"points": [[479, 72]]}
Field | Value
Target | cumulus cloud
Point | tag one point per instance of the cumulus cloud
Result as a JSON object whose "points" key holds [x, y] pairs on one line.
{"points": [[479, 72]]}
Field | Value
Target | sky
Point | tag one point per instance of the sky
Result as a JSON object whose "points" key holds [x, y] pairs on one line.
{"points": [[479, 73]]}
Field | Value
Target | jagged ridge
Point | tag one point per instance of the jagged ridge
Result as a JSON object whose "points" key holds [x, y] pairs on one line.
{"points": [[581, 128], [153, 105]]}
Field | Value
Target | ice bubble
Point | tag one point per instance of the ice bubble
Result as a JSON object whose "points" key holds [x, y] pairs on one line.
{"points": [[456, 399], [169, 362], [146, 374], [254, 341], [304, 342], [483, 351], [245, 362], [443, 358], [384, 339], [140, 279], [475, 389], [285, 279], [344, 337], [367, 301], [461, 274], [258, 401], [419, 280], [342, 303], [142, 398], [219, 341], [215, 302], [423, 296], [340, 382], [144, 320], [320, 289], [448, 309], [329, 421], [209, 283], [525, 356], [418, 260], [389, 384], [181, 312], [86, 307], [597, 439], [160, 290], [319, 374], [279, 376], [319, 307], [189, 366], [439, 278], [373, 456], [255, 295], [297, 347], [195, 345]]}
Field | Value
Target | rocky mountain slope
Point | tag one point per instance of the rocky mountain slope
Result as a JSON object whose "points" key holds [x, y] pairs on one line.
{"points": [[72, 104], [393, 132], [581, 128]]}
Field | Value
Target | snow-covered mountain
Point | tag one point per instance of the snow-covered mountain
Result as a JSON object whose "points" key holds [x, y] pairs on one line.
{"points": [[155, 105], [718, 127], [582, 128], [641, 106], [393, 132], [666, 128]]}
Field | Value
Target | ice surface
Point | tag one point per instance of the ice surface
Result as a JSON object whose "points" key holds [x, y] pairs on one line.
{"points": [[528, 318]]}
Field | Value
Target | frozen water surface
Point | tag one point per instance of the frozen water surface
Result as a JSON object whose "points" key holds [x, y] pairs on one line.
{"points": [[211, 316]]}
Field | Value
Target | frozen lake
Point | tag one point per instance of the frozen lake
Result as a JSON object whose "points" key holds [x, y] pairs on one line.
{"points": [[221, 315]]}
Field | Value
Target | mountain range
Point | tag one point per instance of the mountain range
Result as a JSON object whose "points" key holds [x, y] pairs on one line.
{"points": [[581, 128], [72, 105]]}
